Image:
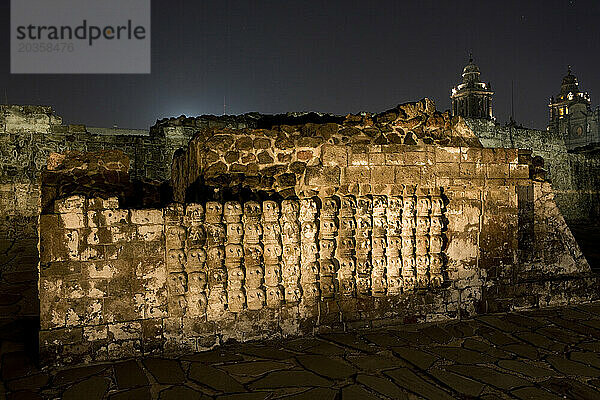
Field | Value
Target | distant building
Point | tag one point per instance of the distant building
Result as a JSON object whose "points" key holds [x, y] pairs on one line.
{"points": [[569, 146], [472, 98], [572, 116]]}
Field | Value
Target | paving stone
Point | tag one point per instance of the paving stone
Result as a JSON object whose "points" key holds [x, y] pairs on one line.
{"points": [[490, 376], [292, 378], [523, 350], [437, 334], [382, 386], [533, 393], [491, 396], [587, 358], [216, 356], [326, 349], [412, 338], [247, 396], [570, 388], [181, 392], [214, 378], [16, 365], [31, 382], [330, 367], [458, 383], [478, 345], [461, 329], [129, 374], [590, 346], [11, 346], [569, 367], [90, 389], [572, 314], [560, 334], [7, 299], [165, 371], [526, 369], [384, 339], [579, 328], [349, 340], [541, 341], [69, 376], [23, 395], [407, 379], [300, 344], [142, 393], [499, 323], [523, 321], [495, 336], [315, 394], [462, 356], [254, 368], [267, 352], [594, 323], [357, 392], [416, 357], [375, 362]]}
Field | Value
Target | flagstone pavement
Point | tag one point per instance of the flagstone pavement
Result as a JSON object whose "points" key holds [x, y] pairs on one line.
{"points": [[542, 354]]}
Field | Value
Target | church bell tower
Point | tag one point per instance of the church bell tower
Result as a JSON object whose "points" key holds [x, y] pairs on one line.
{"points": [[472, 98]]}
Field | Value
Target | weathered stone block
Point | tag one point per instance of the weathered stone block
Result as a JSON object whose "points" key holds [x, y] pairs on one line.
{"points": [[147, 217], [334, 155]]}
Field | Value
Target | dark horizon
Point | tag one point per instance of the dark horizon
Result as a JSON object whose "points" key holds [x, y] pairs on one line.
{"points": [[332, 57]]}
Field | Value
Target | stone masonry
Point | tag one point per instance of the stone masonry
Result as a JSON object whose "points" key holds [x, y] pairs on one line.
{"points": [[296, 229]]}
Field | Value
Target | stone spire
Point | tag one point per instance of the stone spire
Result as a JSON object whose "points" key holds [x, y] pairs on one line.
{"points": [[472, 98]]}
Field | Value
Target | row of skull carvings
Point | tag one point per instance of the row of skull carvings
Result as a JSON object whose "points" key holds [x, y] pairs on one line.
{"points": [[307, 248]]}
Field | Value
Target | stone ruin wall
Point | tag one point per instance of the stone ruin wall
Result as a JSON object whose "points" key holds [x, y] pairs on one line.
{"points": [[321, 235], [575, 177], [28, 135]]}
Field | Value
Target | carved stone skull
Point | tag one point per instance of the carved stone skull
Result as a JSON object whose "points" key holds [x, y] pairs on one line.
{"points": [[175, 260], [214, 212], [234, 253], [254, 276], [235, 232], [436, 243], [290, 209], [308, 209], [232, 211], [177, 283], [197, 282], [310, 292], [235, 278], [253, 254], [270, 211], [252, 212], [256, 299], [274, 296], [423, 206], [236, 300], [194, 214], [196, 260], [272, 275], [196, 303]]}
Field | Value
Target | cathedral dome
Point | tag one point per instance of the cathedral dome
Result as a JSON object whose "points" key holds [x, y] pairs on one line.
{"points": [[569, 83], [471, 73], [471, 68]]}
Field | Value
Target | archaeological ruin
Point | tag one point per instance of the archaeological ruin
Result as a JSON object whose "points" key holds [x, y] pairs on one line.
{"points": [[209, 229]]}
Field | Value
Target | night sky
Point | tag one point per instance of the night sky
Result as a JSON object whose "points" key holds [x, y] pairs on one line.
{"points": [[329, 56]]}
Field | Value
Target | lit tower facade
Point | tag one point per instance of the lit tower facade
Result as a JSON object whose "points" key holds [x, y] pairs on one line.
{"points": [[571, 115], [472, 98]]}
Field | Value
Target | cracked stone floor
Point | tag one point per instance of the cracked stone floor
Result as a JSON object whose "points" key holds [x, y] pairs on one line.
{"points": [[543, 354]]}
